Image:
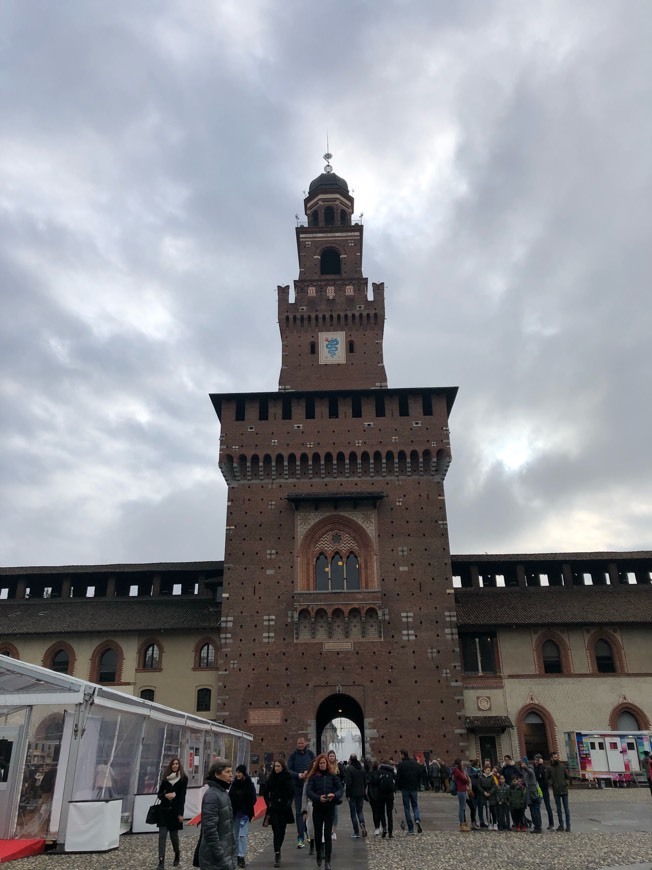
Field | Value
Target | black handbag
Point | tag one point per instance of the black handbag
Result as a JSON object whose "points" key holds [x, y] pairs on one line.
{"points": [[153, 814]]}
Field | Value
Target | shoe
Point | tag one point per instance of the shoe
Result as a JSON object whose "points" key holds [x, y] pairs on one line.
{"points": [[241, 862], [482, 825], [376, 832], [161, 864], [560, 828], [318, 860], [384, 834], [419, 828], [568, 830], [363, 830], [311, 851], [334, 836], [277, 859], [300, 843], [391, 836], [551, 827], [536, 831], [355, 836], [402, 826], [177, 861], [327, 865]]}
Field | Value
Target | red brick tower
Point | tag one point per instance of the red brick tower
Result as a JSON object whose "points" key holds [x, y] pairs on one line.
{"points": [[337, 577]]}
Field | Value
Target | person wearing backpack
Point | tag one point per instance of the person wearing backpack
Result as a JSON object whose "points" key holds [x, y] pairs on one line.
{"points": [[372, 796], [408, 777], [386, 786]]}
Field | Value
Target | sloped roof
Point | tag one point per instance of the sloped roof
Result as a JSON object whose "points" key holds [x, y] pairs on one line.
{"points": [[594, 605], [99, 615], [118, 568]]}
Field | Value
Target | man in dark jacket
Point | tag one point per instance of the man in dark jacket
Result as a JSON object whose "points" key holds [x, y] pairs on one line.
{"points": [[355, 781], [558, 780], [217, 850], [408, 777], [542, 779], [299, 763]]}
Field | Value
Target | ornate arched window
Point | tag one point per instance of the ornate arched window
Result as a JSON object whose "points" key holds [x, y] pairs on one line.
{"points": [[337, 555], [337, 575], [605, 661], [206, 658], [551, 655]]}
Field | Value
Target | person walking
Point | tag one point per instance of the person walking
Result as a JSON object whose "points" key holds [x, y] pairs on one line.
{"points": [[172, 794], [461, 784], [299, 763], [355, 781], [434, 775], [243, 800], [386, 786], [217, 849], [279, 795], [339, 768], [558, 780], [532, 792], [373, 798], [408, 777], [542, 780], [324, 789]]}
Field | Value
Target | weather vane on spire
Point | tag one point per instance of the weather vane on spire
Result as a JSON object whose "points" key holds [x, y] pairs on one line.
{"points": [[328, 157]]}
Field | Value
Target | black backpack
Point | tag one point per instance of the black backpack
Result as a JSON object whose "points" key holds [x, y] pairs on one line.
{"points": [[386, 782]]}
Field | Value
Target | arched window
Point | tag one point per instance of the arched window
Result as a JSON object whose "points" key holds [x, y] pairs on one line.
{"points": [[344, 218], [147, 694], [9, 650], [151, 657], [627, 722], [329, 216], [535, 737], [314, 217], [61, 662], [204, 700], [604, 657], [342, 573], [551, 655], [313, 348], [337, 573], [352, 572], [206, 657], [322, 580], [107, 671], [351, 346], [330, 263]]}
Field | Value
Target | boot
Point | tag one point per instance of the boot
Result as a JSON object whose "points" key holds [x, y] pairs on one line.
{"points": [[311, 851], [318, 856], [327, 865], [177, 859], [277, 859], [161, 864]]}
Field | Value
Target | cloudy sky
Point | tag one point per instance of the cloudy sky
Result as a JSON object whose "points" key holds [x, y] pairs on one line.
{"points": [[152, 159]]}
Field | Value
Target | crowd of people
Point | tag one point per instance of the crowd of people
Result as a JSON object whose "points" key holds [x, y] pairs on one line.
{"points": [[308, 790]]}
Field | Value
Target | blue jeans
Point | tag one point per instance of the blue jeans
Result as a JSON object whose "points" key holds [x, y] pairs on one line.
{"points": [[559, 798], [241, 834], [461, 806], [357, 816], [535, 812], [410, 802]]}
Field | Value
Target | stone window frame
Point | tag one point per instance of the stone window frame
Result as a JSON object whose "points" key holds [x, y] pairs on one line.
{"points": [[309, 551], [548, 721], [616, 651], [564, 651], [628, 707], [98, 652], [142, 652], [204, 709], [9, 650], [199, 646], [53, 649]]}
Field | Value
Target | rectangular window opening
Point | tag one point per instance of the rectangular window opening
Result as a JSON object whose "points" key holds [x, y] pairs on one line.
{"points": [[310, 407], [380, 406], [263, 409], [239, 410], [356, 406], [333, 409], [403, 406], [286, 408]]}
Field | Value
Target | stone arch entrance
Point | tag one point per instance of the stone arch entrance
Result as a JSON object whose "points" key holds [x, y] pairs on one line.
{"points": [[339, 706]]}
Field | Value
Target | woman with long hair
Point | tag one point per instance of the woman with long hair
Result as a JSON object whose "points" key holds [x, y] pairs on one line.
{"points": [[279, 795], [337, 767], [172, 794], [462, 785], [243, 801], [324, 789]]}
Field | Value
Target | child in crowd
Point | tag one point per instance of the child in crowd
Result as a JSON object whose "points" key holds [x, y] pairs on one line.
{"points": [[517, 804], [502, 804]]}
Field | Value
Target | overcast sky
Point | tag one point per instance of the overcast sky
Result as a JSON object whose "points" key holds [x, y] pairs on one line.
{"points": [[152, 159]]}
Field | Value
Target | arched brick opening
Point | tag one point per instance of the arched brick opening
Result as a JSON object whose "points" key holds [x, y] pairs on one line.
{"points": [[199, 646], [97, 656], [142, 649], [641, 717], [337, 534], [9, 650], [53, 649], [527, 737], [564, 651], [616, 651]]}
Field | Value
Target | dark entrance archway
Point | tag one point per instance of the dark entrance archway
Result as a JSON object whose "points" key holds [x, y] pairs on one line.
{"points": [[339, 706]]}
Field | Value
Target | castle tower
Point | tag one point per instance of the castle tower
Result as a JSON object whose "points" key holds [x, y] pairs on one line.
{"points": [[337, 579]]}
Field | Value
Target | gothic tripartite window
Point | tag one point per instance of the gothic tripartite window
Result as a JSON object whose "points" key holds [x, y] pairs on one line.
{"points": [[339, 573]]}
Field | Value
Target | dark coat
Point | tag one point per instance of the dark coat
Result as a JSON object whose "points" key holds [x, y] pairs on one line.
{"points": [[355, 780], [217, 850], [558, 778], [243, 797], [279, 795], [171, 809], [324, 783], [487, 788], [300, 762], [408, 775]]}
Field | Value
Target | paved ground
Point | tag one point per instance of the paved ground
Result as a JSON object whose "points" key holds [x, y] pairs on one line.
{"points": [[612, 829]]}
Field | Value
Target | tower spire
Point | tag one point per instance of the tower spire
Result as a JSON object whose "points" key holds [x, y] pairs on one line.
{"points": [[328, 157]]}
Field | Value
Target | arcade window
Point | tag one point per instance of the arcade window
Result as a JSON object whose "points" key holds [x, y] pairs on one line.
{"points": [[552, 661], [151, 657], [204, 698], [341, 573], [206, 658], [330, 262], [478, 653], [60, 662]]}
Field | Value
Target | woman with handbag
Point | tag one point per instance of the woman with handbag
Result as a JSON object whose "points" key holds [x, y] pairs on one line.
{"points": [[172, 794], [324, 789], [279, 798]]}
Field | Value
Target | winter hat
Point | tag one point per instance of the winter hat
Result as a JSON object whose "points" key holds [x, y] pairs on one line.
{"points": [[525, 759], [241, 768]]}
